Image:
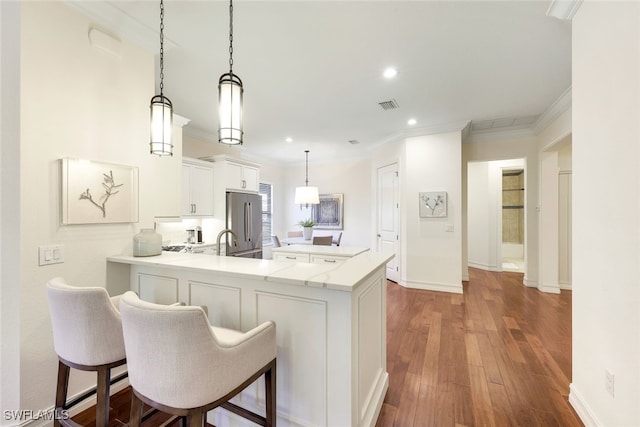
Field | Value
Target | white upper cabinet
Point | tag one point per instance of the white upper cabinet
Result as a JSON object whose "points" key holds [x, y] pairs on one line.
{"points": [[231, 174], [241, 176], [197, 188]]}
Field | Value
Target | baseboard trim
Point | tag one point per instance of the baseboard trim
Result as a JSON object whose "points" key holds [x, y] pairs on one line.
{"points": [[485, 267], [550, 289], [530, 283], [439, 287], [565, 286], [582, 409]]}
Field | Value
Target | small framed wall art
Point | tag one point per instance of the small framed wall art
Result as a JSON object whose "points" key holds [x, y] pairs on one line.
{"points": [[98, 193], [433, 204], [329, 214]]}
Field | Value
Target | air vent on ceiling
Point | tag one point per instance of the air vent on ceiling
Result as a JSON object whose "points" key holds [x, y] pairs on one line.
{"points": [[388, 105], [354, 141]]}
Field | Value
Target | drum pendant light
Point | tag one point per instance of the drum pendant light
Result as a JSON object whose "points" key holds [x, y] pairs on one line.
{"points": [[306, 195], [161, 108], [230, 92]]}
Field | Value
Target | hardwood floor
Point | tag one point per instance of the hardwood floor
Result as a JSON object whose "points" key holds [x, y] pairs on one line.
{"points": [[498, 355], [119, 406]]}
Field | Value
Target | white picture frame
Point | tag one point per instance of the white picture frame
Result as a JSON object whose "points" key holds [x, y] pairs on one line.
{"points": [[433, 204], [329, 213], [98, 193]]}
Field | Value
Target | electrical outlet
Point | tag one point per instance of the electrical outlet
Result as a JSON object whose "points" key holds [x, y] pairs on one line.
{"points": [[609, 382]]}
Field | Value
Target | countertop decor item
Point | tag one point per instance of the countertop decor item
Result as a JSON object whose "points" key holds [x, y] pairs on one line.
{"points": [[161, 108], [230, 93], [147, 243], [307, 228], [306, 195]]}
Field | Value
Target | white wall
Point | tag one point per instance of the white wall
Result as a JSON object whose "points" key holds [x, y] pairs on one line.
{"points": [[606, 262], [9, 207], [352, 178], [77, 101], [504, 149], [432, 255]]}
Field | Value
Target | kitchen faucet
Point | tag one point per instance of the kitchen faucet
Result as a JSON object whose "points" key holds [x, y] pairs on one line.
{"points": [[223, 232]]}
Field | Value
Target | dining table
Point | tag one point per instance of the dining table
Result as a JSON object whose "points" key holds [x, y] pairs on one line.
{"points": [[296, 241]]}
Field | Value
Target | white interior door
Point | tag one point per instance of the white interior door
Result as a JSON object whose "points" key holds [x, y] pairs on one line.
{"points": [[388, 217]]}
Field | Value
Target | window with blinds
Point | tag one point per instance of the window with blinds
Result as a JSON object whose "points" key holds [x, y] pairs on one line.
{"points": [[265, 192]]}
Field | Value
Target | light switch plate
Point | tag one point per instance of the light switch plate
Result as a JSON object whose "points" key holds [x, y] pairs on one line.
{"points": [[50, 254]]}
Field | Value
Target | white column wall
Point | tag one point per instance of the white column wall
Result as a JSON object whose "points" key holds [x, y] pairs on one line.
{"points": [[77, 101], [606, 219], [9, 207], [478, 201], [549, 217], [432, 255]]}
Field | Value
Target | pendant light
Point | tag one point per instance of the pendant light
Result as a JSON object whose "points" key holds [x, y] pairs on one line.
{"points": [[161, 108], [230, 93], [306, 195]]}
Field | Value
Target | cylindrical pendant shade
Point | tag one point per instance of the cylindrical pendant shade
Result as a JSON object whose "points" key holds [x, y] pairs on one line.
{"points": [[307, 196], [230, 94], [161, 126]]}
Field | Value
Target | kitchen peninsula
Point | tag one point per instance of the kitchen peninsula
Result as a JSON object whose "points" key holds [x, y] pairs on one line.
{"points": [[330, 321]]}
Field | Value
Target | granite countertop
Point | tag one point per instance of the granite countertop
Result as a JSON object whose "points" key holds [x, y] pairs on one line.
{"points": [[344, 276], [344, 251]]}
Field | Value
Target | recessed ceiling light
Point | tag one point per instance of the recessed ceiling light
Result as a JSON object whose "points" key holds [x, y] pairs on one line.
{"points": [[411, 122], [390, 73], [289, 139]]}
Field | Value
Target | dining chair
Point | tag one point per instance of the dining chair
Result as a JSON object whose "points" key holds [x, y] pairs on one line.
{"points": [[336, 238], [323, 240], [294, 233], [196, 367], [87, 336]]}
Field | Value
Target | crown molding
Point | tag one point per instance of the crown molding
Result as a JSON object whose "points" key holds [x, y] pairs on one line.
{"points": [[563, 9], [502, 134], [560, 105], [423, 131], [180, 120]]}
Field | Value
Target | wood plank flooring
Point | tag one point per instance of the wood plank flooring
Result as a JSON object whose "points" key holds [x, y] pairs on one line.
{"points": [[498, 355]]}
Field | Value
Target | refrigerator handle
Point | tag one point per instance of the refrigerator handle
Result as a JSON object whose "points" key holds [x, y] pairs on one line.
{"points": [[249, 222], [246, 220]]}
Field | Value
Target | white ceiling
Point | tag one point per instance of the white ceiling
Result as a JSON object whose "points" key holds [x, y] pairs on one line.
{"points": [[312, 70]]}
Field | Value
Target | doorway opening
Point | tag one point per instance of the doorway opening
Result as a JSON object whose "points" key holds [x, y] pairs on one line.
{"points": [[496, 215], [513, 225]]}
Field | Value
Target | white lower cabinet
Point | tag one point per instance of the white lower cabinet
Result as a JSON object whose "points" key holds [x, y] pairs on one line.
{"points": [[297, 257], [312, 258], [323, 259], [158, 289]]}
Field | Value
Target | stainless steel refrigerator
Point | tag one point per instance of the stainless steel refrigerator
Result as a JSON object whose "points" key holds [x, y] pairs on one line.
{"points": [[244, 218]]}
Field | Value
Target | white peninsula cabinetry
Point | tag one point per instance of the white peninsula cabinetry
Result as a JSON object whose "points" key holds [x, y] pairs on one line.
{"points": [[330, 325], [197, 188], [316, 254]]}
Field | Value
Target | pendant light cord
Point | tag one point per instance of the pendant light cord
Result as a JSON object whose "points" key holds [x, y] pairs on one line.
{"points": [[306, 173], [231, 36], [161, 47]]}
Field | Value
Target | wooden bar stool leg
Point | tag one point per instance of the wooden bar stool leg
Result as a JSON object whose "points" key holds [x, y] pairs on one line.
{"points": [[61, 391], [270, 395], [135, 416], [195, 418], [102, 397]]}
